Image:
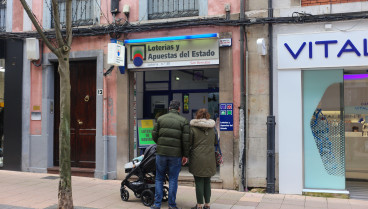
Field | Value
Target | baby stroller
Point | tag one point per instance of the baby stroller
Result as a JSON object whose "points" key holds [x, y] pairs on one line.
{"points": [[144, 187]]}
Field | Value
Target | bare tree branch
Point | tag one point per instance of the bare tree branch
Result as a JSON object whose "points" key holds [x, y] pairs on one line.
{"points": [[69, 22], [38, 27], [55, 10]]}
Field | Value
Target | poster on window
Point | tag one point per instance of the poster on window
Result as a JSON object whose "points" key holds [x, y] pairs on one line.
{"points": [[145, 128]]}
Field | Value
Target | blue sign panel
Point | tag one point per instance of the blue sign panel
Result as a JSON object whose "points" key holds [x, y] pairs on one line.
{"points": [[226, 116]]}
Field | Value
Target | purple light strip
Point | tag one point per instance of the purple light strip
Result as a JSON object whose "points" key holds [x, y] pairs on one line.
{"points": [[355, 76]]}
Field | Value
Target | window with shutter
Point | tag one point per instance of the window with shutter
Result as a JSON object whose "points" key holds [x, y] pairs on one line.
{"points": [[82, 12], [163, 9]]}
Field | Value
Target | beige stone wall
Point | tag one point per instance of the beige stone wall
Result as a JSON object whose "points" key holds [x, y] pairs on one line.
{"points": [[123, 123], [227, 137], [258, 109]]}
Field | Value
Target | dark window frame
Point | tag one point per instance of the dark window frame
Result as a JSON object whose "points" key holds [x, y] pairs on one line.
{"points": [[164, 9]]}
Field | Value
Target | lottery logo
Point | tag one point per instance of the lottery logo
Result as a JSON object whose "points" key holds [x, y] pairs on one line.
{"points": [[137, 58]]}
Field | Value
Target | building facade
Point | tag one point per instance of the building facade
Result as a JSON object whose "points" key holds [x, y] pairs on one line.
{"points": [[184, 52], [303, 62]]}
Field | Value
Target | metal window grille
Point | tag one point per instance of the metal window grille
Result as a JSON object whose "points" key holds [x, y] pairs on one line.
{"points": [[2, 16], [163, 9], [82, 12]]}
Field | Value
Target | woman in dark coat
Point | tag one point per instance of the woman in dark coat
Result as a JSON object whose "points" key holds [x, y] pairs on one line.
{"points": [[202, 163]]}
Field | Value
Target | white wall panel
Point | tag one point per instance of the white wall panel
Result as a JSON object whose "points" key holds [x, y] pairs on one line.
{"points": [[290, 132]]}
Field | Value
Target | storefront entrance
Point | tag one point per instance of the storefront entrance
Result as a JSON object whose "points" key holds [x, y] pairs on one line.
{"points": [[356, 129], [335, 115], [194, 89]]}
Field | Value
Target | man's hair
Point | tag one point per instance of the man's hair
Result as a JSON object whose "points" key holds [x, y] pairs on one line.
{"points": [[174, 104]]}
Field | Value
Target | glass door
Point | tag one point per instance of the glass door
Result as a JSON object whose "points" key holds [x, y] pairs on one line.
{"points": [[356, 124], [323, 124]]}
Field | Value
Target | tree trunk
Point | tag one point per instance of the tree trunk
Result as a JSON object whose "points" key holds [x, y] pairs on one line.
{"points": [[65, 183]]}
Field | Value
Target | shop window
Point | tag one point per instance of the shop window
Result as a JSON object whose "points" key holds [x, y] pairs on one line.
{"points": [[156, 80], [324, 137], [195, 79], [163, 9], [83, 12], [157, 76], [2, 16], [356, 124]]}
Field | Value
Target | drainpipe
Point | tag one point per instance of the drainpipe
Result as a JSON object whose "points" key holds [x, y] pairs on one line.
{"points": [[270, 118], [242, 144], [105, 112], [246, 110]]}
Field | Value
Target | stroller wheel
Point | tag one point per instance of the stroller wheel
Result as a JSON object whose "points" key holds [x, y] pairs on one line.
{"points": [[124, 194], [165, 194], [147, 197], [137, 195]]}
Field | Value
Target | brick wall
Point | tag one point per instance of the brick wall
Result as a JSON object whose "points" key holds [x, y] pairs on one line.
{"points": [[323, 2]]}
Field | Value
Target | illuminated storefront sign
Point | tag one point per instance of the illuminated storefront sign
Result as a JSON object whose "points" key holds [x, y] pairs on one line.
{"points": [[181, 52], [317, 50]]}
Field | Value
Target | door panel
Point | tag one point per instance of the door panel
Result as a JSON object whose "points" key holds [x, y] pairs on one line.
{"points": [[82, 114], [324, 158]]}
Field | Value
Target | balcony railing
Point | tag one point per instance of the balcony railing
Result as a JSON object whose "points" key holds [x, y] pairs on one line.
{"points": [[2, 15], [82, 12], [163, 9]]}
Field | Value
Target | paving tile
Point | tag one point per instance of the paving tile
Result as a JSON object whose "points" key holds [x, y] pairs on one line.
{"points": [[315, 202], [6, 206], [220, 206], [336, 203], [243, 207], [286, 206], [273, 198], [252, 197], [358, 206], [358, 202], [247, 203], [294, 197], [226, 201], [294, 202], [232, 195], [266, 205]]}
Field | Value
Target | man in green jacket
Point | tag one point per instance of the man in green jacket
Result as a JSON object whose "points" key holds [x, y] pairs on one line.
{"points": [[171, 134]]}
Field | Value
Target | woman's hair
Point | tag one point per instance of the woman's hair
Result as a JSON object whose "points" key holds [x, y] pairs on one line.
{"points": [[202, 113]]}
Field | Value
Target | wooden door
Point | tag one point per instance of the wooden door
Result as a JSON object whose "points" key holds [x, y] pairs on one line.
{"points": [[82, 114]]}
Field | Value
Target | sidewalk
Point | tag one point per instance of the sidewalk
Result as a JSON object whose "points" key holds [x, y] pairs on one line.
{"points": [[34, 190]]}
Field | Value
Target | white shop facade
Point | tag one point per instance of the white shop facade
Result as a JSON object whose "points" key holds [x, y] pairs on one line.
{"points": [[321, 99]]}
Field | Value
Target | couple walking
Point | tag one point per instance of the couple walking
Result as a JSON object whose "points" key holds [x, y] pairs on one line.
{"points": [[176, 142]]}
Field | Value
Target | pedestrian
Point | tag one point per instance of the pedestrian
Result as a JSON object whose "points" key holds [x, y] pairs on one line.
{"points": [[202, 163], [171, 134]]}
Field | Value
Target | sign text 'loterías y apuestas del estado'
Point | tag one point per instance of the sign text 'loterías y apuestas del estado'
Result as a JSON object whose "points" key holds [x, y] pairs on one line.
{"points": [[173, 53]]}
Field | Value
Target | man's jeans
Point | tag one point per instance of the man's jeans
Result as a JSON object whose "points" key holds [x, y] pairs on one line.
{"points": [[173, 166]]}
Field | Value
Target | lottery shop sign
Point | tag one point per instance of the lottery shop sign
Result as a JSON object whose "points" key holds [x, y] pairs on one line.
{"points": [[173, 53]]}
